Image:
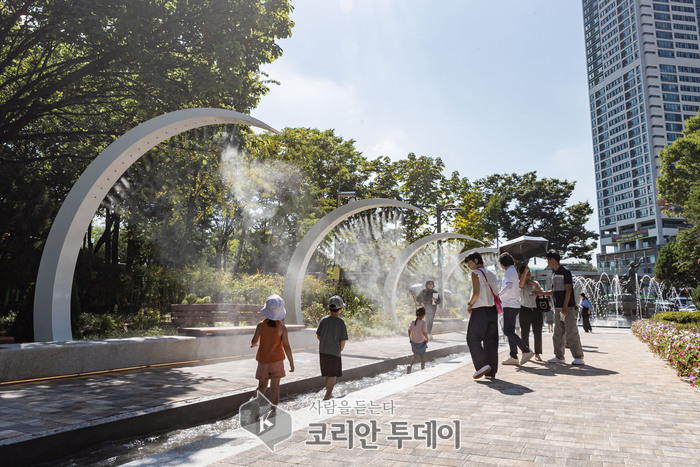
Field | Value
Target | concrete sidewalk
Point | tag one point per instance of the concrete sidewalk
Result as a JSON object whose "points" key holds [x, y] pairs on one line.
{"points": [[51, 418], [624, 407]]}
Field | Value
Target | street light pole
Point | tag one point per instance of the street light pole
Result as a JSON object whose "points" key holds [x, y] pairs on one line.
{"points": [[441, 288], [440, 257]]}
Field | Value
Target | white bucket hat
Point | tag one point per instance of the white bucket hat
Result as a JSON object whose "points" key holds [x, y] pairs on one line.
{"points": [[274, 308]]}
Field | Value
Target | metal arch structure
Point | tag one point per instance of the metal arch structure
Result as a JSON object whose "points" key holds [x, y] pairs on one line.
{"points": [[392, 279], [55, 277], [460, 258], [296, 270]]}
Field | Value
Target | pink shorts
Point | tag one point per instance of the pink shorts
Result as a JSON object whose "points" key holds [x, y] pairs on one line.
{"points": [[270, 370]]}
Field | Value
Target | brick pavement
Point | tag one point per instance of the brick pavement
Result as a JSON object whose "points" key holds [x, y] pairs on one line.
{"points": [[34, 409], [624, 407]]}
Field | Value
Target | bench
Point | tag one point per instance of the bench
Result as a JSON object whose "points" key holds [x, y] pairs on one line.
{"points": [[212, 313]]}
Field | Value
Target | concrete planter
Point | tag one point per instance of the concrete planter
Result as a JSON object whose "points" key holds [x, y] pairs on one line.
{"points": [[20, 362]]}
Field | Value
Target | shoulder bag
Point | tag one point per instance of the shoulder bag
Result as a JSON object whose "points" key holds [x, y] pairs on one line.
{"points": [[543, 304], [496, 298]]}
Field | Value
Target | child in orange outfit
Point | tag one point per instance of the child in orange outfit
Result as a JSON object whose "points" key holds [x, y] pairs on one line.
{"points": [[274, 344]]}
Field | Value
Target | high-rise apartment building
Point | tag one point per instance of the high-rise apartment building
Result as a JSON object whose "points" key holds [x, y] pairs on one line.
{"points": [[644, 80]]}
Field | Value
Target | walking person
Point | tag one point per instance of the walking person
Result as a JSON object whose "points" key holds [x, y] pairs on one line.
{"points": [[418, 337], [565, 328], [586, 311], [510, 299], [274, 344], [332, 335], [549, 319], [530, 314], [482, 332], [429, 298]]}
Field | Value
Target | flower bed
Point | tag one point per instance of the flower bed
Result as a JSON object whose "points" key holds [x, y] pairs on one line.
{"points": [[680, 347]]}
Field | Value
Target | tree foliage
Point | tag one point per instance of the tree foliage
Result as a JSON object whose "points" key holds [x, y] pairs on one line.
{"points": [[220, 200], [73, 76], [679, 260], [679, 178], [538, 207], [679, 192]]}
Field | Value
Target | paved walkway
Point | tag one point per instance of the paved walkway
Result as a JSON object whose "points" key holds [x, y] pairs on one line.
{"points": [[36, 409], [624, 407]]}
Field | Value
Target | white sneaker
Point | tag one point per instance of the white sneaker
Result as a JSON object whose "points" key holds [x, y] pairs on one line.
{"points": [[578, 361], [526, 357], [556, 360], [510, 361], [538, 358], [482, 371]]}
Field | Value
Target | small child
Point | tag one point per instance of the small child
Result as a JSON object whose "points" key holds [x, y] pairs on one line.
{"points": [[418, 337], [274, 344], [332, 335]]}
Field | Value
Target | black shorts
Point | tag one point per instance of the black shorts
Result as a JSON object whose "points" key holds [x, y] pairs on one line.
{"points": [[330, 365]]}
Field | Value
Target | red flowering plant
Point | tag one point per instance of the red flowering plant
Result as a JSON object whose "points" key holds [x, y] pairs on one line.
{"points": [[678, 343]]}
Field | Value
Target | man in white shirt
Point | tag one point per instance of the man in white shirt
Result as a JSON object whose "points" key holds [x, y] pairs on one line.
{"points": [[510, 301]]}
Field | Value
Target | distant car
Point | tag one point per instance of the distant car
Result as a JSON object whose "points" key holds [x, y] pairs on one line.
{"points": [[689, 308], [665, 305], [682, 303]]}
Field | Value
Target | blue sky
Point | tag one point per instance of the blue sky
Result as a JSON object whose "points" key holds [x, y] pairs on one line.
{"points": [[489, 87]]}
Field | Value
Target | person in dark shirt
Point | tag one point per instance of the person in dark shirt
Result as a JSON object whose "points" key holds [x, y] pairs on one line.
{"points": [[565, 327], [332, 335], [429, 299]]}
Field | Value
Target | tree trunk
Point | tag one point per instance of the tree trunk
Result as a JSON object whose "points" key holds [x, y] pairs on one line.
{"points": [[115, 238], [107, 236]]}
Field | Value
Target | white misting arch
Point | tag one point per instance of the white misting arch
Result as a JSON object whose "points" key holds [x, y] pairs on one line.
{"points": [[294, 279], [392, 279], [55, 278]]}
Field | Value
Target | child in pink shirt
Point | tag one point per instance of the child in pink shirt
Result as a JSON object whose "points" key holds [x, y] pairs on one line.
{"points": [[418, 337]]}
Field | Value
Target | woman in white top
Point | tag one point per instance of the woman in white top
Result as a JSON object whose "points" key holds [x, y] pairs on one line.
{"points": [[530, 314], [482, 333], [510, 295]]}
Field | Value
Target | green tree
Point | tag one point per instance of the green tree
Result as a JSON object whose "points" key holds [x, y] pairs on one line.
{"points": [[72, 74], [678, 262], [534, 206], [308, 168], [679, 194], [74, 77], [679, 178]]}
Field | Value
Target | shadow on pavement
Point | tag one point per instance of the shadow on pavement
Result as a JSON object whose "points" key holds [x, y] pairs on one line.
{"points": [[506, 387], [553, 369]]}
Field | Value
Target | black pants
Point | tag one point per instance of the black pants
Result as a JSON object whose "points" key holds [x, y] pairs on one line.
{"points": [[514, 340], [586, 317], [531, 317], [482, 338]]}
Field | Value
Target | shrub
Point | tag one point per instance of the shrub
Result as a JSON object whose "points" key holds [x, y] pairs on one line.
{"points": [[679, 346], [312, 314], [97, 324], [190, 299], [685, 319], [146, 319], [6, 322]]}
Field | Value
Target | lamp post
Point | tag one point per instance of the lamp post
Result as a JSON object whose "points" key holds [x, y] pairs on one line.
{"points": [[438, 211], [336, 268]]}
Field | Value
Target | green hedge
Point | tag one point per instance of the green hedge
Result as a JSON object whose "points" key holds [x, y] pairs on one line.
{"points": [[690, 319]]}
